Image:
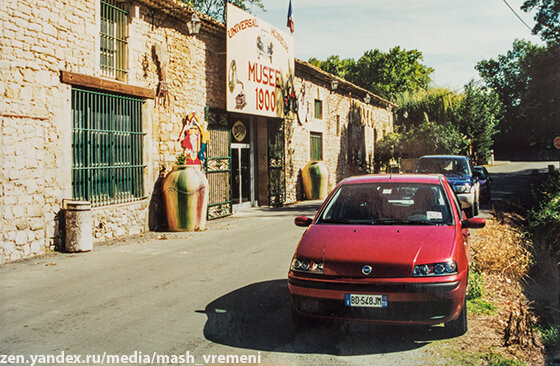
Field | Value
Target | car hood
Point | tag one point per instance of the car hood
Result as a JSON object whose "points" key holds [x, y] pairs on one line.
{"points": [[459, 179], [392, 251]]}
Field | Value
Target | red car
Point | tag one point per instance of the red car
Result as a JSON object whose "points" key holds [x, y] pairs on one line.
{"points": [[389, 249]]}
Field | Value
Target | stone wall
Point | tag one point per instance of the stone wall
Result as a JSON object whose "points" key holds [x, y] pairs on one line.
{"points": [[38, 41], [348, 126]]}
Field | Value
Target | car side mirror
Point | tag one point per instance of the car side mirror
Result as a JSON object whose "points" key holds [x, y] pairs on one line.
{"points": [[302, 221], [473, 223]]}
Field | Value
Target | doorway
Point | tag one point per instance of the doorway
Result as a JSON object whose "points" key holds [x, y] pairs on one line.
{"points": [[241, 174]]}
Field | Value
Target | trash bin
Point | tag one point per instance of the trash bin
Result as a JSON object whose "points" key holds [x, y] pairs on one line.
{"points": [[78, 226]]}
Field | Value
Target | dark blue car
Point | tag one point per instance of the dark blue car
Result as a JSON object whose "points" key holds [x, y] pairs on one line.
{"points": [[459, 170]]}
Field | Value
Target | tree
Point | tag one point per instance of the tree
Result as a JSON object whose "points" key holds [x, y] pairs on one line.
{"points": [[334, 65], [385, 74], [415, 141], [477, 117], [392, 73], [547, 19], [526, 80], [217, 8], [473, 116], [433, 104]]}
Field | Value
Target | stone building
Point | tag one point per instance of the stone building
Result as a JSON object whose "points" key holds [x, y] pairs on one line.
{"points": [[93, 95]]}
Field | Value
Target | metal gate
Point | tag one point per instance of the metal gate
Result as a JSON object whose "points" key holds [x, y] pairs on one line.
{"points": [[218, 169], [276, 163]]}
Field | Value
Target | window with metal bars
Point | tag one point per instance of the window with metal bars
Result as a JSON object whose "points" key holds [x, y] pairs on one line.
{"points": [[316, 144], [113, 39], [107, 148]]}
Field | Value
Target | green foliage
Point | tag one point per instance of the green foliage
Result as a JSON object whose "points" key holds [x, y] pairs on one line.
{"points": [[433, 138], [474, 114], [550, 336], [481, 306], [477, 117], [475, 285], [415, 141], [334, 65], [495, 359], [526, 80], [216, 8], [547, 18], [475, 359], [386, 74], [434, 104], [544, 218]]}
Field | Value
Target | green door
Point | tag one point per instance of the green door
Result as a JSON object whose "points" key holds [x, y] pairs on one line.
{"points": [[276, 163], [218, 170]]}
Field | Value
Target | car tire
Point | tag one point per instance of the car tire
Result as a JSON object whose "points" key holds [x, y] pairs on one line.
{"points": [[459, 326], [476, 208], [469, 212]]}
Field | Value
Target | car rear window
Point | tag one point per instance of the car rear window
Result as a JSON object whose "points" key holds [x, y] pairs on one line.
{"points": [[446, 166], [388, 204]]}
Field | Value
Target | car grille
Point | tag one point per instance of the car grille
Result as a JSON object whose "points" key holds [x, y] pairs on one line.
{"points": [[396, 311]]}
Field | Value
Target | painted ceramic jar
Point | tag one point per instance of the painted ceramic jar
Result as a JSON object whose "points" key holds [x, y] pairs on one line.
{"points": [[315, 180], [186, 198]]}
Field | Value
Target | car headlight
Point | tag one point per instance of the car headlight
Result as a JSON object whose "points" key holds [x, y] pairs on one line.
{"points": [[435, 269], [306, 265], [462, 188]]}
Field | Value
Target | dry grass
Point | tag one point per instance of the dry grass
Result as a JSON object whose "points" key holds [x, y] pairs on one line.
{"points": [[501, 248]]}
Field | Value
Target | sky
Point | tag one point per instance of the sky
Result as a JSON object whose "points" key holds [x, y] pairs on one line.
{"points": [[453, 35]]}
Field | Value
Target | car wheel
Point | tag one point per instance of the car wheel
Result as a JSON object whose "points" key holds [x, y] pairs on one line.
{"points": [[475, 208], [469, 212], [458, 327]]}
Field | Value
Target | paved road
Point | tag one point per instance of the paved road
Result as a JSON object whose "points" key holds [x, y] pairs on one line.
{"points": [[510, 180], [219, 292]]}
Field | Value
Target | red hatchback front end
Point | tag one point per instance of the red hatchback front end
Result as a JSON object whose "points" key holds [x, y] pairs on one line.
{"points": [[385, 249]]}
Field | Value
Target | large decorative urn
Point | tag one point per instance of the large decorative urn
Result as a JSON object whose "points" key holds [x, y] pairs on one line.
{"points": [[315, 178], [186, 198]]}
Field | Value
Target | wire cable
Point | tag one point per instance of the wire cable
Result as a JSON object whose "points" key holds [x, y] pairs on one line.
{"points": [[517, 15]]}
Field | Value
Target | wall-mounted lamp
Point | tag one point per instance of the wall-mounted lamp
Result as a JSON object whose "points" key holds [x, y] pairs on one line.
{"points": [[367, 99], [194, 24], [334, 84]]}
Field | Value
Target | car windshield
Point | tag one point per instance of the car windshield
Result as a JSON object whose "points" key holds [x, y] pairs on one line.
{"points": [[387, 204], [446, 166], [481, 171]]}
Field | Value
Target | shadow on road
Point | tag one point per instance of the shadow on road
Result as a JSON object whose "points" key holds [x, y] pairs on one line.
{"points": [[258, 317]]}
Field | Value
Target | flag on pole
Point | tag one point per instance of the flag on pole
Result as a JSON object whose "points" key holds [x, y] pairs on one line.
{"points": [[290, 18]]}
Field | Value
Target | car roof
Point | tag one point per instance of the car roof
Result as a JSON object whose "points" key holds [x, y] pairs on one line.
{"points": [[444, 156], [396, 178]]}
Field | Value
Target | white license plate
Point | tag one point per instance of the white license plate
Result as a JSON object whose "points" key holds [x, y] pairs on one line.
{"points": [[367, 301]]}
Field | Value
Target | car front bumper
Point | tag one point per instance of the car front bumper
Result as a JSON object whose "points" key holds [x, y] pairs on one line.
{"points": [[421, 301]]}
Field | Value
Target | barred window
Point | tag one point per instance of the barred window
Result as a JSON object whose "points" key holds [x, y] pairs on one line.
{"points": [[107, 148], [113, 40], [316, 144]]}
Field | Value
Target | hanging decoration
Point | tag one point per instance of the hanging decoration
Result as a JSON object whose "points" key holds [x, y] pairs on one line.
{"points": [[195, 138]]}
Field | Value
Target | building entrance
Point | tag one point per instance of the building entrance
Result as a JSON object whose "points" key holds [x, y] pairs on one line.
{"points": [[241, 174]]}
